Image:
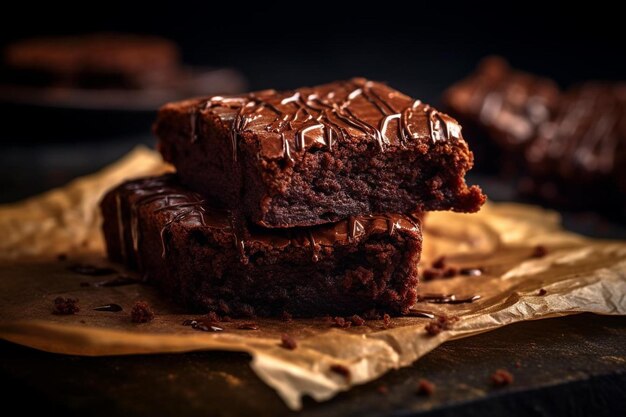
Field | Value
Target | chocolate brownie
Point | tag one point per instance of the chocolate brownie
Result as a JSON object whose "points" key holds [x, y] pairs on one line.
{"points": [[509, 104], [102, 60], [318, 155], [502, 107], [208, 260], [578, 159]]}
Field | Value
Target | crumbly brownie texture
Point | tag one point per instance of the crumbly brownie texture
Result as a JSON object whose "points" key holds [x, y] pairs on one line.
{"points": [[504, 104], [579, 158], [319, 155], [93, 61], [206, 259]]}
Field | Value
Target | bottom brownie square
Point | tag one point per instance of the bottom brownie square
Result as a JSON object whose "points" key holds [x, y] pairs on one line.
{"points": [[207, 260]]}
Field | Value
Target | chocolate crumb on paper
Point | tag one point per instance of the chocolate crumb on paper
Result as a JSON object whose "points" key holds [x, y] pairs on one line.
{"points": [[141, 312], [357, 320], [439, 263], [539, 251], [542, 292], [425, 388], [441, 323], [341, 323], [65, 306], [288, 342], [430, 274], [501, 378]]}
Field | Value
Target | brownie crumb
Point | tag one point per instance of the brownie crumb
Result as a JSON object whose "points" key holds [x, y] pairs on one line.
{"points": [[62, 257], [248, 326], [341, 370], [539, 251], [96, 271], [286, 317], [357, 320], [440, 324], [439, 263], [425, 388], [288, 342], [65, 306], [501, 378], [387, 321], [341, 323], [542, 292], [430, 274], [141, 312], [383, 389], [450, 272], [433, 328], [518, 364], [85, 284]]}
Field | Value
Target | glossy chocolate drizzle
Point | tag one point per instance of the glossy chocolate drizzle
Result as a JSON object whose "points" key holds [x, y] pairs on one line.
{"points": [[323, 115], [173, 204], [448, 298]]}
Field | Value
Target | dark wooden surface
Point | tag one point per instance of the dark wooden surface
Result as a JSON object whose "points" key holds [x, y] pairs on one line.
{"points": [[567, 366]]}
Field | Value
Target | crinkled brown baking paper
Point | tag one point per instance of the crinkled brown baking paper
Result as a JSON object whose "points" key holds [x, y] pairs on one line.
{"points": [[578, 274]]}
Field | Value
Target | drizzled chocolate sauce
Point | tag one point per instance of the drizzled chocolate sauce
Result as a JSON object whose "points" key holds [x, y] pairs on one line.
{"points": [[114, 308], [322, 115], [448, 298], [420, 313]]}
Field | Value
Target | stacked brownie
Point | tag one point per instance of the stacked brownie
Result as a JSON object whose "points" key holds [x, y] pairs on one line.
{"points": [[568, 147], [307, 201]]}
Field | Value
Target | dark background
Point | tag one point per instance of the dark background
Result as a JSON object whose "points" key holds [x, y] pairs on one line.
{"points": [[419, 49]]}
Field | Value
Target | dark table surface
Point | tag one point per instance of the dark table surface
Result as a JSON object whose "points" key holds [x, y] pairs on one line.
{"points": [[567, 366]]}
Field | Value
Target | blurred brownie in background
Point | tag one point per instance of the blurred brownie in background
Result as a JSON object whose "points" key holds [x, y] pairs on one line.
{"points": [[502, 109], [101, 60], [579, 158]]}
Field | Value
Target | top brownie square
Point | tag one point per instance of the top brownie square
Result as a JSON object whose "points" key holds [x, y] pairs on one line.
{"points": [[320, 154]]}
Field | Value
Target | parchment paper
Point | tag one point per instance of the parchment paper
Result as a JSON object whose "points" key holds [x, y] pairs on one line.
{"points": [[577, 274]]}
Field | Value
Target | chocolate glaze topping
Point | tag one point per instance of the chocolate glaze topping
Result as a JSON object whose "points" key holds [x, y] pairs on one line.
{"points": [[164, 195], [321, 116]]}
